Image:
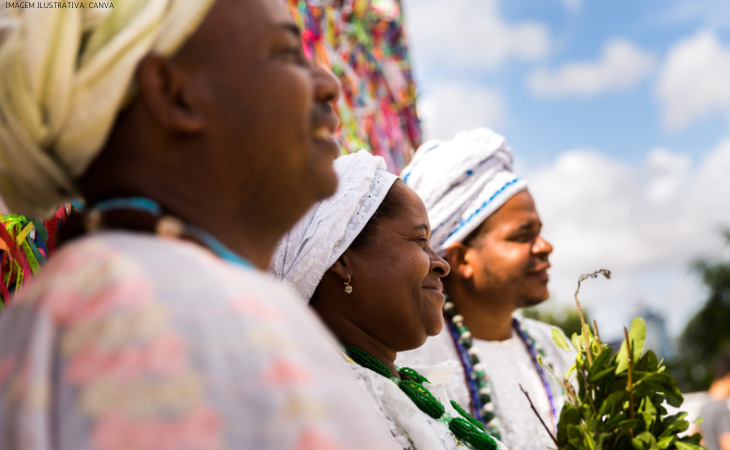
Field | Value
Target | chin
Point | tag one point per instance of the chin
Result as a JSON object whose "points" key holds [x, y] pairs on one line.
{"points": [[327, 183], [436, 327], [529, 301]]}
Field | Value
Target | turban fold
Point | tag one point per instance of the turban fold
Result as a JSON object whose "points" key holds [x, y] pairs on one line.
{"points": [[327, 230], [462, 182], [64, 76]]}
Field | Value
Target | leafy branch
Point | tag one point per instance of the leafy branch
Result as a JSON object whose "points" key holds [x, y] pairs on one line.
{"points": [[620, 399]]}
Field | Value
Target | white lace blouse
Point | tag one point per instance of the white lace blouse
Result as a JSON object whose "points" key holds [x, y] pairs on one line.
{"points": [[412, 428], [508, 364]]}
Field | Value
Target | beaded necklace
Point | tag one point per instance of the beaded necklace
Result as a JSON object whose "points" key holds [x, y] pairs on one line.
{"points": [[152, 207], [466, 428], [478, 384]]}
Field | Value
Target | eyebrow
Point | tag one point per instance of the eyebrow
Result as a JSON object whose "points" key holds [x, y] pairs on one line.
{"points": [[528, 225], [422, 226], [292, 28]]}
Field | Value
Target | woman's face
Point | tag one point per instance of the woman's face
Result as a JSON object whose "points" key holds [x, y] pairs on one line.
{"points": [[396, 277]]}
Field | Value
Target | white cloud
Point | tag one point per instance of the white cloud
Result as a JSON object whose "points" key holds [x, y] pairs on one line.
{"points": [[621, 66], [459, 34], [450, 108], [710, 13], [573, 5], [645, 223], [694, 80]]}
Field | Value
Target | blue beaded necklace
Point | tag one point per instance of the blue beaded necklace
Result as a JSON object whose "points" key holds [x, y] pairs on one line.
{"points": [[479, 387], [152, 207]]}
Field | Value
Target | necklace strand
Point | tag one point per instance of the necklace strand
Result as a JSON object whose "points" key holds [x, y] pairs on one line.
{"points": [[480, 389], [466, 428], [152, 207]]}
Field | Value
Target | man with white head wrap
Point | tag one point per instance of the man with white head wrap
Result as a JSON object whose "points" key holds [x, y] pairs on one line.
{"points": [[373, 234], [487, 228], [198, 133]]}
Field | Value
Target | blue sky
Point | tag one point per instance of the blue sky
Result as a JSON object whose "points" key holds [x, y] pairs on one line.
{"points": [[618, 113]]}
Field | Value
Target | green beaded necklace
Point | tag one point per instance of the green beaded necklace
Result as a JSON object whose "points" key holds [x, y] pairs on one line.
{"points": [[466, 428]]}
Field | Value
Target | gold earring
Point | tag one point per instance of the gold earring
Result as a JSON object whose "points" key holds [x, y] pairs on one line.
{"points": [[348, 288]]}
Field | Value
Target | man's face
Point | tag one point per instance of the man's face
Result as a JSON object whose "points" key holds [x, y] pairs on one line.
{"points": [[266, 109], [509, 257]]}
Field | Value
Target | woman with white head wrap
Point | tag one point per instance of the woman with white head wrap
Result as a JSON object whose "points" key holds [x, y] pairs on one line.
{"points": [[462, 182], [487, 228], [363, 261], [154, 326]]}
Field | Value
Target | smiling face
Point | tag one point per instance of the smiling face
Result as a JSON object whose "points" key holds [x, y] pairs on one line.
{"points": [[508, 256], [396, 277], [266, 109]]}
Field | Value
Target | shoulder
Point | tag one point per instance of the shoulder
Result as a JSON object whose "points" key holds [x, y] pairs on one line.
{"points": [[437, 349], [537, 328], [542, 333], [117, 271]]}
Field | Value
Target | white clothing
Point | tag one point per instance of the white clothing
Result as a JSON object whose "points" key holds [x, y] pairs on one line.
{"points": [[508, 364], [128, 341], [311, 247], [412, 428], [64, 75], [462, 182]]}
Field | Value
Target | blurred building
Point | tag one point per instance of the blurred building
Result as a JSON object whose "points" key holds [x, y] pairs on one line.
{"points": [[657, 337]]}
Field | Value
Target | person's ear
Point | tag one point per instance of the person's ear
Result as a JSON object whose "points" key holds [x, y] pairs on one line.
{"points": [[166, 91], [461, 259], [342, 267]]}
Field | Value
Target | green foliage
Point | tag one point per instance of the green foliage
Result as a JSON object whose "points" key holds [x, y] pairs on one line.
{"points": [[706, 335], [564, 317], [620, 397]]}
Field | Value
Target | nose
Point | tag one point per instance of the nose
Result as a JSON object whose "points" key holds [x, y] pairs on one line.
{"points": [[541, 247], [439, 266], [326, 86]]}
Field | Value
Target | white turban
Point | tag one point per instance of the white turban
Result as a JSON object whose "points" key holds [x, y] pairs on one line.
{"points": [[322, 236], [64, 76], [462, 182]]}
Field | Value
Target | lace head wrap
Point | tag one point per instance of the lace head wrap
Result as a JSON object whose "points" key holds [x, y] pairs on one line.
{"points": [[462, 182], [327, 230], [64, 75]]}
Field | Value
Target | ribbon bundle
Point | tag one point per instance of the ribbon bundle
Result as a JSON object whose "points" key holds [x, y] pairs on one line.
{"points": [[25, 243], [363, 42]]}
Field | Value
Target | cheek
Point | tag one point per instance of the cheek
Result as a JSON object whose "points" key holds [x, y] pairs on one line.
{"points": [[505, 260], [273, 112]]}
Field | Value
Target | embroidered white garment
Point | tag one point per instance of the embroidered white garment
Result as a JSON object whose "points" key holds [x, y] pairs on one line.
{"points": [[462, 182], [327, 230], [127, 341], [412, 428], [508, 364]]}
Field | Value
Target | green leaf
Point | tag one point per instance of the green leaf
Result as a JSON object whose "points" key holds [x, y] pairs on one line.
{"points": [[637, 334], [577, 342], [597, 376], [600, 361], [644, 441], [665, 442], [615, 421], [698, 420], [664, 383], [686, 446], [559, 339], [569, 416], [648, 412], [648, 362], [674, 424]]}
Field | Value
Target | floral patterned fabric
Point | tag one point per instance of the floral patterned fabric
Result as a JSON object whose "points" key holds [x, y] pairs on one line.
{"points": [[130, 342]]}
